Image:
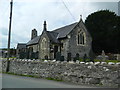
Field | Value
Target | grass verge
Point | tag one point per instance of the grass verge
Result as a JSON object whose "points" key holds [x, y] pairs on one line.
{"points": [[48, 78]]}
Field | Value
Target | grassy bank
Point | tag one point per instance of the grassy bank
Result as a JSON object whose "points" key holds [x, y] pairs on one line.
{"points": [[48, 78]]}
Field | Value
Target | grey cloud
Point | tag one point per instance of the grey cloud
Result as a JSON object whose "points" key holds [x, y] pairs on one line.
{"points": [[27, 15]]}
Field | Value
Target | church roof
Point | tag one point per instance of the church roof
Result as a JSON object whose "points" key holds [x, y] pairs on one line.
{"points": [[63, 31], [34, 41], [55, 34], [21, 45]]}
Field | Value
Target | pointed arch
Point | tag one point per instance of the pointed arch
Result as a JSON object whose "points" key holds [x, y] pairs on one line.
{"points": [[44, 44], [81, 38]]}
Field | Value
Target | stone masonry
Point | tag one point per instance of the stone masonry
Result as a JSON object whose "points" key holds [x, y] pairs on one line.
{"points": [[76, 72]]}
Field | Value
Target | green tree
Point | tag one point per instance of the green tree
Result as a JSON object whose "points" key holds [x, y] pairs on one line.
{"points": [[105, 30]]}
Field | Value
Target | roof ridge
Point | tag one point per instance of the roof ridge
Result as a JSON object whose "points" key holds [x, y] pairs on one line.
{"points": [[65, 26], [63, 31]]}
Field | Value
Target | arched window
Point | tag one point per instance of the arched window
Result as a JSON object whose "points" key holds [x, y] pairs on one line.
{"points": [[81, 38], [44, 43]]}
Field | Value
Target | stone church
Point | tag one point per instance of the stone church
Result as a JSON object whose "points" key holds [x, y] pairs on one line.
{"points": [[66, 41]]}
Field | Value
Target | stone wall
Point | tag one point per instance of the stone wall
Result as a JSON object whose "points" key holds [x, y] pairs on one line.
{"points": [[75, 72]]}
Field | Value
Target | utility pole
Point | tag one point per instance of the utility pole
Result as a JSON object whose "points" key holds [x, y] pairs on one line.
{"points": [[9, 35]]}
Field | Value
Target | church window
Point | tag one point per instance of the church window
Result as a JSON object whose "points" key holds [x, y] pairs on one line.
{"points": [[81, 40], [44, 43]]}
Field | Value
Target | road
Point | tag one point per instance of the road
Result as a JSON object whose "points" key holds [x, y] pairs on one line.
{"points": [[13, 81]]}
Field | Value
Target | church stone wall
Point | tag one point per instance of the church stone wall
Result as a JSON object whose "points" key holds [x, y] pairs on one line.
{"points": [[35, 47], [74, 48], [44, 52]]}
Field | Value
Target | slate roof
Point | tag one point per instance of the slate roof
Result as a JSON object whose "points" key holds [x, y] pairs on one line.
{"points": [[34, 41], [21, 46], [63, 31], [55, 34]]}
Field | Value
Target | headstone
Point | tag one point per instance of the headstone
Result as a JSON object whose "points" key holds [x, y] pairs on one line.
{"points": [[27, 54], [58, 56], [77, 56], [32, 55], [103, 55], [46, 57], [62, 58], [77, 61], [91, 59], [22, 55], [74, 59], [118, 56], [84, 58], [36, 55], [68, 57]]}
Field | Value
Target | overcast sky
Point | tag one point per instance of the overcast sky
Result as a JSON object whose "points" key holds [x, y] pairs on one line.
{"points": [[30, 14]]}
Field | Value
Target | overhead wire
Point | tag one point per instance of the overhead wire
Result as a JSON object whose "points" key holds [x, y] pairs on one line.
{"points": [[68, 10]]}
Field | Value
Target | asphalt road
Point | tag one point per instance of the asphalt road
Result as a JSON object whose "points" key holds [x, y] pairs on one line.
{"points": [[13, 81]]}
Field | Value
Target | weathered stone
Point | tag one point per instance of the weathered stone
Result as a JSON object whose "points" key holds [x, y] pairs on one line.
{"points": [[76, 73], [94, 80]]}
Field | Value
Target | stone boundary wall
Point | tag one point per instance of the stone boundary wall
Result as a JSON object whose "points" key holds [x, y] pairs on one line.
{"points": [[75, 72]]}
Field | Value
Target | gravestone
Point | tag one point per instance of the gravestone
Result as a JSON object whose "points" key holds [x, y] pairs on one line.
{"points": [[22, 55], [62, 58], [77, 56], [27, 54], [118, 56], [74, 59], [84, 57], [103, 55], [36, 55], [91, 59], [46, 57], [58, 56], [68, 57], [33, 55]]}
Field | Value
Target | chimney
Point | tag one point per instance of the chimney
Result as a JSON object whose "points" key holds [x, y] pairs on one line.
{"points": [[44, 26], [34, 34]]}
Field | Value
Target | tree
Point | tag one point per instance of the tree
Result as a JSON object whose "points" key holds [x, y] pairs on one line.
{"points": [[105, 30]]}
